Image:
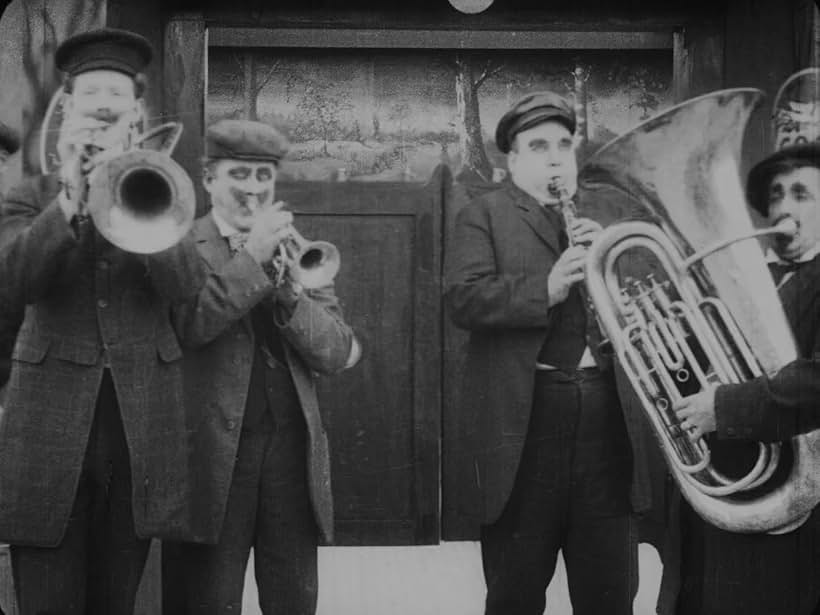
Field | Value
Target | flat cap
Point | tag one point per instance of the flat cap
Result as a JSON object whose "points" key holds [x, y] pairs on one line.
{"points": [[530, 111], [786, 159], [106, 48], [244, 140], [9, 139]]}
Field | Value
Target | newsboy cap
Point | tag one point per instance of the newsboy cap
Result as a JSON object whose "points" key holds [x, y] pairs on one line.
{"points": [[106, 48], [244, 140], [783, 160], [530, 111]]}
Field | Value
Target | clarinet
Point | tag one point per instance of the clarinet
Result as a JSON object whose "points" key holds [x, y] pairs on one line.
{"points": [[566, 206]]}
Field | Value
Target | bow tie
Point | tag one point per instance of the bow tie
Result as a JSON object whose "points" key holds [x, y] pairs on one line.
{"points": [[237, 241], [781, 268]]}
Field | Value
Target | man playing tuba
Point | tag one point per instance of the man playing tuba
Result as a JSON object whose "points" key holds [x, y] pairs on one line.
{"points": [[92, 439], [724, 572]]}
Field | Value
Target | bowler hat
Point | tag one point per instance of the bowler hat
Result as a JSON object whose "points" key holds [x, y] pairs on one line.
{"points": [[531, 110], [244, 140], [106, 48], [757, 184]]}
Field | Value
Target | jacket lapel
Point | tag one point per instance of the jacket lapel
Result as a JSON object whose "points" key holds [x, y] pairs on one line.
{"points": [[213, 248], [211, 245], [532, 213], [798, 293]]}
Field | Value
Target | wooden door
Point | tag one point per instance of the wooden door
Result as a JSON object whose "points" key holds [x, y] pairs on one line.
{"points": [[383, 416]]}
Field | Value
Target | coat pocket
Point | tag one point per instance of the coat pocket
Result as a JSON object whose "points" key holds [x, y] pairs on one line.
{"points": [[168, 347], [30, 350]]}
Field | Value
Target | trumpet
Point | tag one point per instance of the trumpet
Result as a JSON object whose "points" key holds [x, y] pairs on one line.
{"points": [[311, 264]]}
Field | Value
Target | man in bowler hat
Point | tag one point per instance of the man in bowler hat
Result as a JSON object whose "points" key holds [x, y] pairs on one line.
{"points": [[724, 572], [92, 438], [257, 338], [545, 453]]}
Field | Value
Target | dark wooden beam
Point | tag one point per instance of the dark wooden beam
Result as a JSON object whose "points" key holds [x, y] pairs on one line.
{"points": [[184, 78], [221, 36]]}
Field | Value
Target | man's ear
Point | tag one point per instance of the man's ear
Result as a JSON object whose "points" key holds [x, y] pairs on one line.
{"points": [[207, 178], [139, 110]]}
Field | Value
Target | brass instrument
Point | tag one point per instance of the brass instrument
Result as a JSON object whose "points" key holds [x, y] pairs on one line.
{"points": [[713, 317], [141, 200], [312, 264]]}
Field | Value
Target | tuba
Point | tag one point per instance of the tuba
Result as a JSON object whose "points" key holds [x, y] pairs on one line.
{"points": [[709, 315], [142, 201]]}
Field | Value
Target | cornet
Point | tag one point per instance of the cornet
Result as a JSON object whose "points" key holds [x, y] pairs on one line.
{"points": [[311, 264], [569, 212]]}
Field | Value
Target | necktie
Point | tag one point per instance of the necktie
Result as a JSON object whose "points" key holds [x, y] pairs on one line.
{"points": [[237, 241]]}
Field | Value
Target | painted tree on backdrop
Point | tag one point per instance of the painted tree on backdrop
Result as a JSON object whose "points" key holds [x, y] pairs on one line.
{"points": [[470, 76]]}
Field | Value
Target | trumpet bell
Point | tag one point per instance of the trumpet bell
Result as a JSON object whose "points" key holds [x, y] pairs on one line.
{"points": [[315, 264], [142, 201]]}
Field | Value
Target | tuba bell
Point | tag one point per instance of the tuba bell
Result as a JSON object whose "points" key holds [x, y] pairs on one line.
{"points": [[709, 315]]}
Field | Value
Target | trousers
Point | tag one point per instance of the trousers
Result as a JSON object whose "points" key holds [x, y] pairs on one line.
{"points": [[571, 494], [97, 567]]}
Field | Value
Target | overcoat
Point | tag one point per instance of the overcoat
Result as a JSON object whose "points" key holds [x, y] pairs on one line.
{"points": [[502, 250], [88, 304], [216, 330]]}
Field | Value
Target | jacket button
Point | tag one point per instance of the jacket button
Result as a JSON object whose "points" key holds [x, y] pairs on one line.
{"points": [[102, 303], [231, 425]]}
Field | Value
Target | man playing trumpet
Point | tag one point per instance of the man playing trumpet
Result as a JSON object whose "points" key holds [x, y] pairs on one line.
{"points": [[92, 438], [257, 336]]}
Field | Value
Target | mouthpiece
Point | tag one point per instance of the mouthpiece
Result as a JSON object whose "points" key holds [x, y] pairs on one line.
{"points": [[787, 226]]}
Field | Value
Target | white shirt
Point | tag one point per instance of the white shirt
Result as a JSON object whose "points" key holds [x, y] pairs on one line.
{"points": [[226, 229]]}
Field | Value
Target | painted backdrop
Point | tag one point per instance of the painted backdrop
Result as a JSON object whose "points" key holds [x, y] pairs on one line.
{"points": [[387, 115]]}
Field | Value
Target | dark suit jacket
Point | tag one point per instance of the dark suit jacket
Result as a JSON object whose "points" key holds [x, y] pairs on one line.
{"points": [[502, 251], [781, 406], [85, 297], [216, 326]]}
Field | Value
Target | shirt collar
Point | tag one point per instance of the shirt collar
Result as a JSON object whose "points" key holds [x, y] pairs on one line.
{"points": [[808, 255], [226, 229]]}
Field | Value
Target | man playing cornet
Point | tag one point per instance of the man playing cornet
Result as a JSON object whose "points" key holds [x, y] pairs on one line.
{"points": [[92, 440], [256, 337]]}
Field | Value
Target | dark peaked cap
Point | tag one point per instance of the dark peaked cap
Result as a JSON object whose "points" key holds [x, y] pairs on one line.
{"points": [[533, 109], [106, 48], [244, 140]]}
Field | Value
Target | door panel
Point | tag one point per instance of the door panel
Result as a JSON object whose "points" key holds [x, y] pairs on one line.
{"points": [[382, 416]]}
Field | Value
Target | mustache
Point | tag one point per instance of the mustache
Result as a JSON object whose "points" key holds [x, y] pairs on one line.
{"points": [[243, 197], [104, 115]]}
